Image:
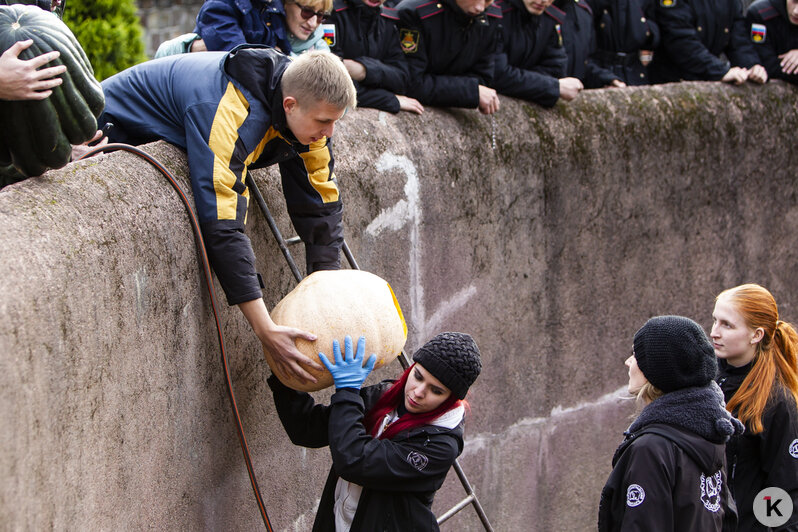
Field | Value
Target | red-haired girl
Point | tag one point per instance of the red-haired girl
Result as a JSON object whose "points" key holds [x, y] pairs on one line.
{"points": [[392, 443], [759, 378]]}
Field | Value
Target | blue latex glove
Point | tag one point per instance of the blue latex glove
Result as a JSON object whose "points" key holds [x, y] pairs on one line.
{"points": [[349, 372]]}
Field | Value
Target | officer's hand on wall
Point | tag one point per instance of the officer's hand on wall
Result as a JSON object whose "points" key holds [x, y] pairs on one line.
{"points": [[789, 62], [758, 74], [348, 371], [616, 84], [735, 75], [488, 100], [409, 104], [570, 88]]}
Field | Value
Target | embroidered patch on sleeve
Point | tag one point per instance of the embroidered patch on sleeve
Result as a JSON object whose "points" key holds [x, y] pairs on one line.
{"points": [[417, 460], [758, 33], [710, 491], [794, 448], [328, 34], [635, 495], [408, 39]]}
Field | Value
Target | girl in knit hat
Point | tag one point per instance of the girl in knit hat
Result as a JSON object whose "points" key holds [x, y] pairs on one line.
{"points": [[759, 378], [392, 443], [668, 473]]}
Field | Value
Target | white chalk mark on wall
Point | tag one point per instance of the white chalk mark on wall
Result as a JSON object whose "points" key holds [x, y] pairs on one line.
{"points": [[404, 212]]}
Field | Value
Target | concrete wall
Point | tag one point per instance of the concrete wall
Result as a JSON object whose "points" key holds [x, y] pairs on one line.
{"points": [[165, 19], [551, 249]]}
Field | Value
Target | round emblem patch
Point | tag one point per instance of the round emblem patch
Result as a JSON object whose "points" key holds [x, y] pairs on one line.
{"points": [[417, 460], [794, 448], [635, 495]]}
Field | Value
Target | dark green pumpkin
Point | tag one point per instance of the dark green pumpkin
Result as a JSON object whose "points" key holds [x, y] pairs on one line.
{"points": [[39, 134]]}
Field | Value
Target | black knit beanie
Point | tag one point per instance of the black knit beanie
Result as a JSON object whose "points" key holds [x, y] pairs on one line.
{"points": [[674, 352], [453, 359]]}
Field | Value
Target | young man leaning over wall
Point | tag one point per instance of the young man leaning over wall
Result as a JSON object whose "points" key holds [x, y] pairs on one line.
{"points": [[248, 108]]}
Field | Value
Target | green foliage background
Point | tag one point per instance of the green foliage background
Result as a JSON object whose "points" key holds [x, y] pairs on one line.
{"points": [[109, 31]]}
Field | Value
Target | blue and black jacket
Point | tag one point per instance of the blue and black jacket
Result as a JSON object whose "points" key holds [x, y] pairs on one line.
{"points": [[225, 110], [225, 24]]}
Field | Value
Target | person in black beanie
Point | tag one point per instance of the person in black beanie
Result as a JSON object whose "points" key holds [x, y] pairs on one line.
{"points": [[669, 473], [393, 443]]}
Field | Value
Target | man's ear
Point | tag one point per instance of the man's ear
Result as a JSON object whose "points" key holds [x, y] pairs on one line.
{"points": [[289, 104]]}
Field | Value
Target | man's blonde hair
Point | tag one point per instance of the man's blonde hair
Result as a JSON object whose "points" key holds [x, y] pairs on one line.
{"points": [[319, 76]]}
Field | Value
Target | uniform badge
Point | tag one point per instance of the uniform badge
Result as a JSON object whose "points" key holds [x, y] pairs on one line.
{"points": [[417, 460], [710, 491], [667, 3], [559, 35], [328, 34], [408, 39], [635, 495], [758, 33], [794, 448]]}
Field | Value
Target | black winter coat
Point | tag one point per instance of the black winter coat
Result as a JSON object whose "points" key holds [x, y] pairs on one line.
{"points": [[668, 474], [399, 476], [368, 35], [579, 38], [531, 56], [694, 35], [623, 28], [780, 35], [767, 459], [449, 53]]}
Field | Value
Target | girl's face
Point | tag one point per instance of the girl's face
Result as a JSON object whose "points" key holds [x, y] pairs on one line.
{"points": [[733, 340], [636, 377], [423, 392], [303, 18]]}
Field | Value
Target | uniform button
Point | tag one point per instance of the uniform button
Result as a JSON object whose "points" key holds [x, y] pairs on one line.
{"points": [[643, 20], [585, 61], [648, 34], [605, 11], [642, 75], [725, 30], [439, 6], [268, 23], [699, 28], [602, 25]]}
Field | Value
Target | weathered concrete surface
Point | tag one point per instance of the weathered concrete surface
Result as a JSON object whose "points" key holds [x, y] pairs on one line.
{"points": [[551, 249]]}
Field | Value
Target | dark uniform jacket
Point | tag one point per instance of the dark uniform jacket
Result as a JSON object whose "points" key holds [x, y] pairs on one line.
{"points": [[224, 24], [694, 35], [449, 53], [579, 38], [531, 56], [368, 35], [399, 476], [668, 474], [623, 28], [779, 35], [767, 459], [225, 110]]}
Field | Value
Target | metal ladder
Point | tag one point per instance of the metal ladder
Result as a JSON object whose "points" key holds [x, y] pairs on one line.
{"points": [[282, 243]]}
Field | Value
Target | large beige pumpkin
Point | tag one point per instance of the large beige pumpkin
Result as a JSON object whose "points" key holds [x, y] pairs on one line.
{"points": [[332, 304]]}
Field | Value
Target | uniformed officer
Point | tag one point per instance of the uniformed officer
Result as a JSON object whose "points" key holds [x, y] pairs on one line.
{"points": [[451, 46], [579, 37], [531, 61], [695, 33], [773, 28], [625, 36], [363, 33]]}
